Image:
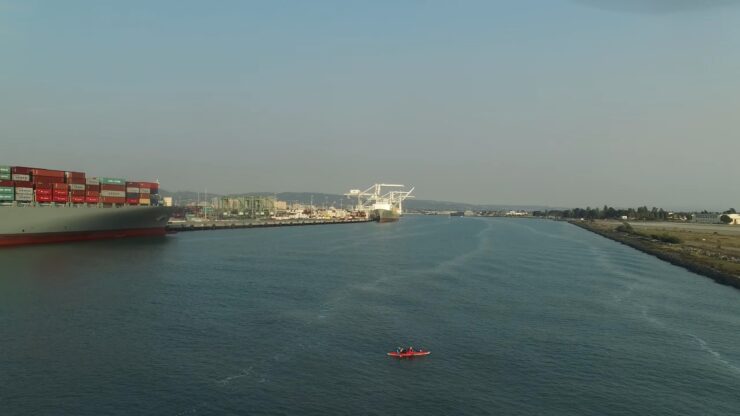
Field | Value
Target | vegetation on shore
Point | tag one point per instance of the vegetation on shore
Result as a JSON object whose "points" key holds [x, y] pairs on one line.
{"points": [[664, 237], [607, 212], [704, 252], [642, 213]]}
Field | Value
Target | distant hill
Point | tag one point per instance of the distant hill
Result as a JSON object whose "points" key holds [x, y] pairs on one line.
{"points": [[321, 199]]}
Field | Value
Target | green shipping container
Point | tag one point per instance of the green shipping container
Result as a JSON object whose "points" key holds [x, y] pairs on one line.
{"points": [[6, 190], [4, 176], [113, 181], [6, 197], [5, 169]]}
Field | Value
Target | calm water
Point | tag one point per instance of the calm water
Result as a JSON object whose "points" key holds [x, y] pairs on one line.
{"points": [[521, 316]]}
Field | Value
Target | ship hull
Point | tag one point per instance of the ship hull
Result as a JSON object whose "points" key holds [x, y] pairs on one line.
{"points": [[386, 215], [50, 224]]}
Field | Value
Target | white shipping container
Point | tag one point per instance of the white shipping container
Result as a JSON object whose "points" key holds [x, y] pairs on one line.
{"points": [[24, 197], [144, 190], [76, 187], [113, 194], [132, 190], [22, 178], [92, 181], [24, 190]]}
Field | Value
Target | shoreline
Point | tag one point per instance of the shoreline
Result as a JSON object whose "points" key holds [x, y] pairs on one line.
{"points": [[658, 250], [231, 225]]}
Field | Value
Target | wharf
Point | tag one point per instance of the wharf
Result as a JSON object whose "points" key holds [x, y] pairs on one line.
{"points": [[230, 224]]}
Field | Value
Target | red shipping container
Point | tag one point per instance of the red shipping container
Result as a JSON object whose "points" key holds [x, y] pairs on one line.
{"points": [[78, 199], [47, 172], [132, 201], [148, 185], [75, 175], [92, 193], [92, 199], [59, 199], [20, 170], [120, 188], [22, 184], [95, 188], [47, 179], [77, 181], [43, 198], [43, 192], [19, 177], [44, 186], [77, 193], [61, 186], [6, 183]]}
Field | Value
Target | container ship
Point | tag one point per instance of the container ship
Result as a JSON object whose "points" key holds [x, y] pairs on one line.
{"points": [[380, 206], [51, 206]]}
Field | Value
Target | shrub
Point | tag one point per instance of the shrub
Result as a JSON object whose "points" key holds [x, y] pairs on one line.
{"points": [[667, 238], [625, 228]]}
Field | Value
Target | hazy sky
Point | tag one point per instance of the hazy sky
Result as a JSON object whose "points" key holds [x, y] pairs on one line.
{"points": [[555, 102]]}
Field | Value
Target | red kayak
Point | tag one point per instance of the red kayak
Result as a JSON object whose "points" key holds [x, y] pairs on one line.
{"points": [[408, 354]]}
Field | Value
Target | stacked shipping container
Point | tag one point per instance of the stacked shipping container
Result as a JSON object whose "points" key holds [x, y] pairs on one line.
{"points": [[26, 185], [6, 185]]}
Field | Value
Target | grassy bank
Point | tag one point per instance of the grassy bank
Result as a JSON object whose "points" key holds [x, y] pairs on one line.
{"points": [[706, 252]]}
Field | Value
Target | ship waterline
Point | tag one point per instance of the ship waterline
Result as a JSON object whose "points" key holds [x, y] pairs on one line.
{"points": [[21, 225], [386, 215]]}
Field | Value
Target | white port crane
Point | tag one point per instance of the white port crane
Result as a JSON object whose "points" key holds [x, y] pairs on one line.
{"points": [[374, 198]]}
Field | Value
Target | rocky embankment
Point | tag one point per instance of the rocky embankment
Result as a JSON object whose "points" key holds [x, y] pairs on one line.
{"points": [[680, 256]]}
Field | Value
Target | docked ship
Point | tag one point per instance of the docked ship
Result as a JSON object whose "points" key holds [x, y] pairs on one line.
{"points": [[379, 205], [384, 214], [48, 206]]}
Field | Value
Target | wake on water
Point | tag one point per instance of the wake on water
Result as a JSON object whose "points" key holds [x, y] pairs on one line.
{"points": [[703, 345], [228, 379], [717, 356], [446, 266]]}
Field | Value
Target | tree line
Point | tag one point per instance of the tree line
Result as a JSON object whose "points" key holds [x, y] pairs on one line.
{"points": [[607, 212], [610, 213]]}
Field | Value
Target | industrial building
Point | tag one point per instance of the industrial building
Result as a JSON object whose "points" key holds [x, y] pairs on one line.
{"points": [[706, 218], [734, 219], [247, 206], [715, 218]]}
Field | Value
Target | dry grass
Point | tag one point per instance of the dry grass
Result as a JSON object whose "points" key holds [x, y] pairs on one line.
{"points": [[718, 250]]}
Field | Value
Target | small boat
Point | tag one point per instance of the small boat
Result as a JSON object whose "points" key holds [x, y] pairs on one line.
{"points": [[410, 353]]}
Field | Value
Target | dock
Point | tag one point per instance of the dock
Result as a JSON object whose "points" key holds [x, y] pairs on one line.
{"points": [[205, 225]]}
